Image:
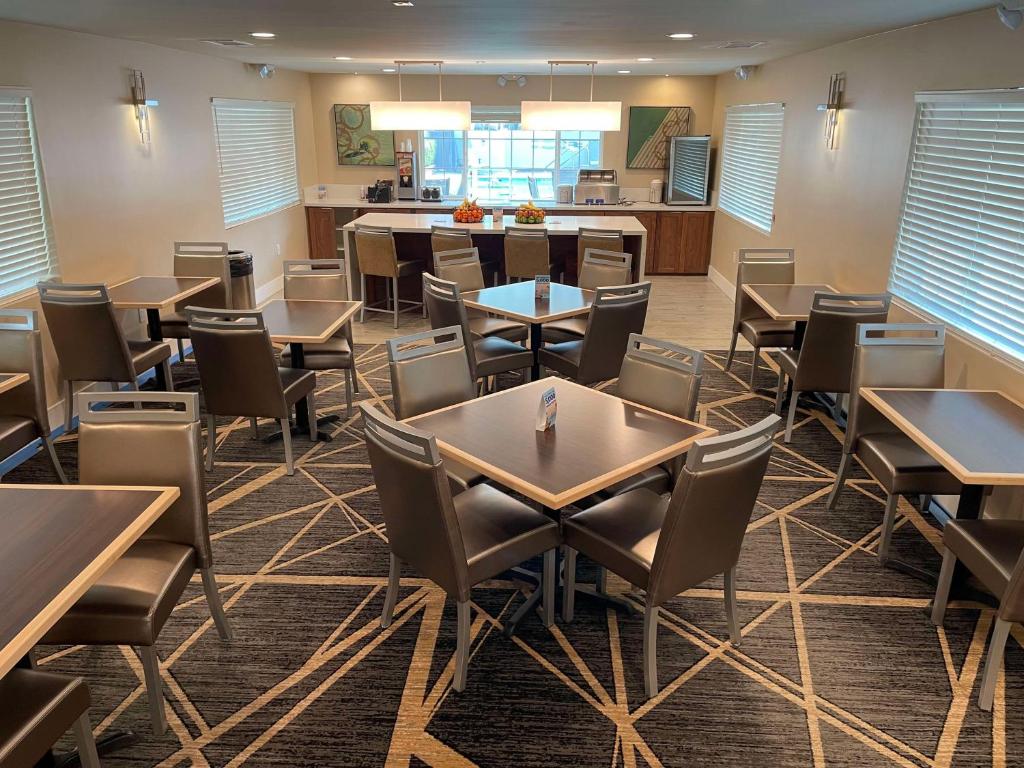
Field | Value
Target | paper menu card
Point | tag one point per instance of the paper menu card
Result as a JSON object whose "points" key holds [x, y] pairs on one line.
{"points": [[547, 410], [542, 286]]}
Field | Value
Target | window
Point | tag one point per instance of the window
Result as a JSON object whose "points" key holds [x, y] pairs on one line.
{"points": [[26, 239], [497, 161], [750, 163], [256, 155], [959, 253]]}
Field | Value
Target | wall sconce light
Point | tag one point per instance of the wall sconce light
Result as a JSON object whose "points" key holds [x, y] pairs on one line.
{"points": [[836, 90], [142, 105]]}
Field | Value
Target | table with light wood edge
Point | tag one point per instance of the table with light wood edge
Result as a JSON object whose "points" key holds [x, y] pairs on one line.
{"points": [[9, 381]]}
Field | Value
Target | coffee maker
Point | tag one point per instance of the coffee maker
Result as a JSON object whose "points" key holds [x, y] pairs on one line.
{"points": [[381, 192], [405, 163]]}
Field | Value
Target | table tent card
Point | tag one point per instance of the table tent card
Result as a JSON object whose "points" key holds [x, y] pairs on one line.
{"points": [[547, 410], [542, 286]]}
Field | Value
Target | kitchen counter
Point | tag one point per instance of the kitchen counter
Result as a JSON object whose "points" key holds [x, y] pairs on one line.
{"points": [[311, 201], [555, 224]]}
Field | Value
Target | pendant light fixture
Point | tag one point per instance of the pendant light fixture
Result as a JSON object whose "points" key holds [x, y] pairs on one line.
{"points": [[554, 115], [437, 115]]}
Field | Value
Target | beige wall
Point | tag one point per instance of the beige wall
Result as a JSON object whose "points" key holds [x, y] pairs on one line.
{"points": [[328, 90]]}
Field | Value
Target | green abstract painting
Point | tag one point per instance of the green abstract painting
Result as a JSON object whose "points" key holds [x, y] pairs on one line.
{"points": [[650, 128], [357, 144]]}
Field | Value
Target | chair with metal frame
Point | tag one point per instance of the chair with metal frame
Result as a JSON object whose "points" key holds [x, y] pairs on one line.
{"points": [[900, 355], [597, 269], [158, 445], [90, 344], [593, 239], [377, 256], [462, 267], [527, 253], [23, 414], [764, 266], [456, 542], [824, 361], [197, 259], [239, 375], [667, 544]]}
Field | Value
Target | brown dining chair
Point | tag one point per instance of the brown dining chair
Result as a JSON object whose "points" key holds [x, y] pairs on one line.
{"points": [[617, 312], [591, 238], [527, 253], [90, 344], [993, 550], [455, 542], [377, 257], [667, 544], [159, 445], [462, 267], [444, 239], [23, 414], [899, 355], [323, 280], [430, 370], [488, 356], [761, 266], [824, 361], [239, 375], [39, 707], [197, 259], [597, 269]]}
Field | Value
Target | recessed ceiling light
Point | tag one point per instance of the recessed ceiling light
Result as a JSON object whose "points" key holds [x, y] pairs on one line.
{"points": [[262, 35], [389, 69], [682, 35], [645, 58], [402, 3], [343, 58], [624, 71]]}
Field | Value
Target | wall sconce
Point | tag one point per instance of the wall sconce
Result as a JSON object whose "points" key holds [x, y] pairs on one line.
{"points": [[836, 90], [142, 105]]}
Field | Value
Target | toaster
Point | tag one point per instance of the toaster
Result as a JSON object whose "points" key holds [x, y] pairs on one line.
{"points": [[596, 187]]}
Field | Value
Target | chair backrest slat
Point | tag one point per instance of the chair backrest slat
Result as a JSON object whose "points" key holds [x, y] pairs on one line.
{"points": [[667, 380], [527, 252], [449, 239], [600, 268], [427, 376], [617, 312], [461, 266], [21, 351], [315, 279], [766, 266]]}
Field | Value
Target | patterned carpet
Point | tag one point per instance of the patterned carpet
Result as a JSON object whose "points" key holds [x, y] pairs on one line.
{"points": [[839, 665]]}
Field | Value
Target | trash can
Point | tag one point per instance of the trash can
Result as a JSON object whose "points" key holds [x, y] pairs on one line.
{"points": [[243, 291]]}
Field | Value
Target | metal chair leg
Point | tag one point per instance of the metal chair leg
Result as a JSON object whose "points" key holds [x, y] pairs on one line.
{"points": [[362, 295], [887, 524], [730, 606], [462, 647], [602, 580], [286, 434], [753, 366], [181, 350], [213, 600], [52, 451], [780, 392], [993, 663], [549, 587], [69, 404], [254, 425], [350, 385], [942, 588], [87, 755], [154, 688], [165, 366], [394, 298], [391, 596], [837, 488], [794, 398], [569, 585], [311, 414], [651, 651], [732, 351], [211, 440]]}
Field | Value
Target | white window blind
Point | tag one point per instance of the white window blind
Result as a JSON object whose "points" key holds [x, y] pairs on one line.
{"points": [[26, 239], [959, 253], [256, 152], [750, 162]]}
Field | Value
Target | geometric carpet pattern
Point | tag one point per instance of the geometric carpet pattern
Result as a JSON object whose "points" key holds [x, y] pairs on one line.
{"points": [[839, 664]]}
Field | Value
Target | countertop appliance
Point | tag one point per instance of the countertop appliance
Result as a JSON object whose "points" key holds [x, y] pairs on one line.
{"points": [[689, 168], [596, 187], [405, 164], [381, 192], [430, 193], [657, 191], [565, 193]]}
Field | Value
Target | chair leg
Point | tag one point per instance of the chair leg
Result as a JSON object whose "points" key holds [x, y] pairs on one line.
{"points": [[462, 647], [165, 366], [926, 502], [753, 366], [732, 351], [942, 588], [211, 440], [52, 451], [355, 374], [154, 688], [794, 398], [391, 596], [780, 392], [651, 651], [181, 350], [602, 580], [69, 404], [887, 524], [286, 433], [362, 294], [394, 298], [311, 414], [87, 755], [730, 606], [254, 425], [837, 488], [350, 385], [993, 663], [549, 587], [220, 619], [569, 585]]}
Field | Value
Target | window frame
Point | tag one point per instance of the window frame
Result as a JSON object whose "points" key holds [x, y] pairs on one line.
{"points": [[723, 184]]}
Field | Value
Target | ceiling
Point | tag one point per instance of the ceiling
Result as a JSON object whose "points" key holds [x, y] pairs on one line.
{"points": [[488, 36]]}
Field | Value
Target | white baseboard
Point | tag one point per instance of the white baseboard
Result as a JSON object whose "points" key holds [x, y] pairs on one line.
{"points": [[722, 282]]}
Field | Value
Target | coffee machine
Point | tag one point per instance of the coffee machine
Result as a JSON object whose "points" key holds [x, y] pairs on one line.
{"points": [[405, 163]]}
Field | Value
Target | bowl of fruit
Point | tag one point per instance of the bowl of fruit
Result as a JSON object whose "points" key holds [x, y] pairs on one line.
{"points": [[530, 214], [468, 213]]}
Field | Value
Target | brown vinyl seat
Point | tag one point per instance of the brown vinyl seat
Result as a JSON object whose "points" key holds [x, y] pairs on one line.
{"points": [[667, 544], [900, 355], [488, 356], [760, 266], [824, 361], [444, 239], [462, 267], [90, 344], [455, 542], [158, 445], [527, 253], [39, 707], [323, 280], [197, 259], [427, 376], [993, 550], [597, 268], [617, 313], [239, 374], [377, 256], [23, 415]]}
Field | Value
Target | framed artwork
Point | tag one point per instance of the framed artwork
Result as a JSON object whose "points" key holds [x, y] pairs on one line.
{"points": [[650, 128], [357, 144]]}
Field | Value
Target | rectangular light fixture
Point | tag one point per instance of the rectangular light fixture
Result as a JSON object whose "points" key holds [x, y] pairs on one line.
{"points": [[420, 115], [571, 116]]}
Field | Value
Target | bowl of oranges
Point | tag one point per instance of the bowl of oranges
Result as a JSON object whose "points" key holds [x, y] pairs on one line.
{"points": [[530, 214], [468, 213]]}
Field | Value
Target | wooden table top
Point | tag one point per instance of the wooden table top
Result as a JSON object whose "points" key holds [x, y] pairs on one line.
{"points": [[152, 292], [557, 225], [517, 301], [11, 380], [55, 542], [292, 321], [978, 435], [786, 302], [598, 439]]}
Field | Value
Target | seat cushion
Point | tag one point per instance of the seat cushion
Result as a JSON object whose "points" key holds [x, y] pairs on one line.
{"points": [[897, 462], [333, 353], [765, 332], [563, 357], [620, 533], [497, 326], [569, 329], [47, 706], [409, 268], [989, 548], [132, 600], [461, 477], [655, 479], [297, 383], [499, 532], [147, 354], [497, 355], [15, 433]]}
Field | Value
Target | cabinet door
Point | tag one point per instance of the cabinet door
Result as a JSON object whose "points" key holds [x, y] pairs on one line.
{"points": [[668, 252], [323, 239], [696, 245]]}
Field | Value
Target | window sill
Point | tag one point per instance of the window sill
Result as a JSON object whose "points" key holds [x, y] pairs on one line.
{"points": [[746, 222]]}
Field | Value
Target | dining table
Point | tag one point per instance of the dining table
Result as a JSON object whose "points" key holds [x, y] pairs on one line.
{"points": [[9, 381], [787, 302]]}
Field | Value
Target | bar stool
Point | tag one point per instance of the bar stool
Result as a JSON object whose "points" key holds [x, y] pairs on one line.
{"points": [[378, 257], [197, 259], [527, 253]]}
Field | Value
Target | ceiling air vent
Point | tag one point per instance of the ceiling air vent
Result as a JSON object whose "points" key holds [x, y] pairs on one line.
{"points": [[228, 43], [734, 44]]}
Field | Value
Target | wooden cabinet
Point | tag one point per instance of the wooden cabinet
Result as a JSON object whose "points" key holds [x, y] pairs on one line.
{"points": [[683, 243], [323, 238], [649, 221]]}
